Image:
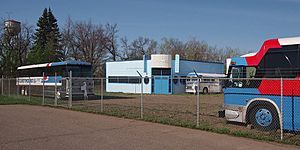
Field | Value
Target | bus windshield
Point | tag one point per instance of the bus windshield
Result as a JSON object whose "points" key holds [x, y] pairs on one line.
{"points": [[243, 72]]}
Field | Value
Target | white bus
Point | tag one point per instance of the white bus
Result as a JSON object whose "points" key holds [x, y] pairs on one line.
{"points": [[30, 77], [209, 83]]}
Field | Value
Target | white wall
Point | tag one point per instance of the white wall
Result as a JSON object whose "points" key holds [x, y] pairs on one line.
{"points": [[127, 68]]}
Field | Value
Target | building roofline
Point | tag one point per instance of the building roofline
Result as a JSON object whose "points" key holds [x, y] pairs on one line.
{"points": [[203, 61], [172, 60], [124, 61]]}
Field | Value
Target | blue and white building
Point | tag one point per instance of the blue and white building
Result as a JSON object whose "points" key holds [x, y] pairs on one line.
{"points": [[160, 74]]}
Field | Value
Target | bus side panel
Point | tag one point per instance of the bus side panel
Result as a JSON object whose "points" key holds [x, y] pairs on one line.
{"points": [[296, 104], [242, 96], [239, 96], [286, 111], [297, 113]]}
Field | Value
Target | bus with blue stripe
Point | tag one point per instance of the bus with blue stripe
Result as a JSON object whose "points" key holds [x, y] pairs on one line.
{"points": [[49, 75], [258, 83]]}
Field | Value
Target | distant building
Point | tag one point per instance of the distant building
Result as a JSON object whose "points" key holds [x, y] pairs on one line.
{"points": [[162, 73]]}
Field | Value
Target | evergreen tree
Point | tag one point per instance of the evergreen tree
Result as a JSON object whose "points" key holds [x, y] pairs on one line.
{"points": [[47, 40]]}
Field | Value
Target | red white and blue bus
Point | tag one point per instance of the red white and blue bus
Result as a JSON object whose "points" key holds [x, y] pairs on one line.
{"points": [[31, 78], [253, 91]]}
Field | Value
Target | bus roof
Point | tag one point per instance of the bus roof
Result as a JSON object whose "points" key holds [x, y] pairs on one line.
{"points": [[289, 41], [214, 75], [253, 59], [62, 63]]}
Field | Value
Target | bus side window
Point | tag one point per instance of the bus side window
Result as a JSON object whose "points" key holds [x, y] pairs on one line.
{"points": [[250, 72]]}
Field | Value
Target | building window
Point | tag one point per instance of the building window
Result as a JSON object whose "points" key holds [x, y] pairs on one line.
{"points": [[112, 79], [124, 79], [182, 80], [161, 71], [175, 80]]}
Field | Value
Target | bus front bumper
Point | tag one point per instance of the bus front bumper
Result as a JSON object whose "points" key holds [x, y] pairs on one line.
{"points": [[233, 113]]}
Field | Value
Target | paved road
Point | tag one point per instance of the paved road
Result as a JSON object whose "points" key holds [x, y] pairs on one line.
{"points": [[34, 127]]}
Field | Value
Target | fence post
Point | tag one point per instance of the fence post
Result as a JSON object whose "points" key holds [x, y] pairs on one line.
{"points": [[101, 102], [2, 85], [70, 92], [8, 79], [17, 84], [43, 101], [55, 90], [281, 109], [29, 90], [198, 102], [142, 105]]}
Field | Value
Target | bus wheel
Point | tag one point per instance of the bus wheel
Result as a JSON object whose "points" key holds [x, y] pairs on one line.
{"points": [[264, 117], [205, 90]]}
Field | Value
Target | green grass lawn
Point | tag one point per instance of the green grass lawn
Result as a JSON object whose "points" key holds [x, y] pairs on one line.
{"points": [[10, 100]]}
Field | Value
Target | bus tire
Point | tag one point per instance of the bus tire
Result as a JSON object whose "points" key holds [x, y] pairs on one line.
{"points": [[205, 90], [264, 117]]}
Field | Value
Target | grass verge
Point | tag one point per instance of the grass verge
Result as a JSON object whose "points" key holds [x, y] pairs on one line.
{"points": [[11, 100]]}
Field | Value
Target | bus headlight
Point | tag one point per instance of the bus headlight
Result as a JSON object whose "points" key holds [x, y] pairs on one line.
{"points": [[231, 114]]}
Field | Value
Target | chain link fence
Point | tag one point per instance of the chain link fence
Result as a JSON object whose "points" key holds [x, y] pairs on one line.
{"points": [[260, 108]]}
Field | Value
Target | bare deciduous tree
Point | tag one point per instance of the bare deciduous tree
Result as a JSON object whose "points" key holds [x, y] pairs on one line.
{"points": [[228, 52], [172, 46], [111, 40], [126, 49], [86, 41], [197, 50], [139, 47], [194, 49]]}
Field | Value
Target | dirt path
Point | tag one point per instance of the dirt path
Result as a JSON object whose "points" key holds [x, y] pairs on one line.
{"points": [[34, 127]]}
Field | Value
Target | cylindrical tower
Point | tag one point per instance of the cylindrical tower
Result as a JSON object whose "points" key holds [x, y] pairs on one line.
{"points": [[12, 27]]}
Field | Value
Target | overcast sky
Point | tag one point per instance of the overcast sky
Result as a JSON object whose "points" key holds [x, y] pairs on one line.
{"points": [[239, 24]]}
